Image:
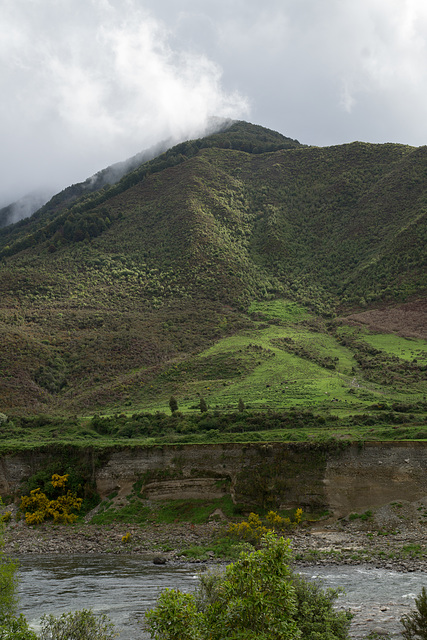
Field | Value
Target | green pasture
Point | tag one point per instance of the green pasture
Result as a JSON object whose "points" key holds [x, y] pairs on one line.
{"points": [[286, 361], [284, 310], [404, 348]]}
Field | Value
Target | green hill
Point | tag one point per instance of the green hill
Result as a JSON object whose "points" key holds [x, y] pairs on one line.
{"points": [[222, 269]]}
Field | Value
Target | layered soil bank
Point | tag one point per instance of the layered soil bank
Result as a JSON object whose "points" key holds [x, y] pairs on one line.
{"points": [[340, 479]]}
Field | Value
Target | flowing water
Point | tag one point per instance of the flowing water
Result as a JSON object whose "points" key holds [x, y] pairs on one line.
{"points": [[121, 587], [377, 597], [125, 587]]}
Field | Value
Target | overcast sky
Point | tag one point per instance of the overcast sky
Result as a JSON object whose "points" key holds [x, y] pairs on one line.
{"points": [[86, 83]]}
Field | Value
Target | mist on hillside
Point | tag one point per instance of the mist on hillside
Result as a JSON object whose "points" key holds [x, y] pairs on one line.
{"points": [[74, 109], [31, 202]]}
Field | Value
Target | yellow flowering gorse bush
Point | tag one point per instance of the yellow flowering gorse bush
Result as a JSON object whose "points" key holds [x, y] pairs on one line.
{"points": [[38, 507], [253, 529]]}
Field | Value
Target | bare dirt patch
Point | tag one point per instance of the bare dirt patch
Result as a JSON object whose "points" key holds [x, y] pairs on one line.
{"points": [[408, 320]]}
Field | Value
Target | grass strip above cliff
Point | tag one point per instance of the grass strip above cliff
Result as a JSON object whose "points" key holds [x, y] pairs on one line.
{"points": [[382, 423]]}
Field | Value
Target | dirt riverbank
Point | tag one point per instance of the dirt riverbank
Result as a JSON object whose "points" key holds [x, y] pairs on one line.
{"points": [[401, 551]]}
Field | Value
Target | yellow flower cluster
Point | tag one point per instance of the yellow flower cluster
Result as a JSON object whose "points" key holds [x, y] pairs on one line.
{"points": [[58, 481], [254, 529], [38, 507], [126, 537], [276, 522]]}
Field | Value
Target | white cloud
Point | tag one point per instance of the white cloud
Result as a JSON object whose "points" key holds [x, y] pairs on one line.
{"points": [[90, 82], [325, 71], [85, 83]]}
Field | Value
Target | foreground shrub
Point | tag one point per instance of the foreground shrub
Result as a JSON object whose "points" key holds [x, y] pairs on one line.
{"points": [[176, 617], [257, 598], [15, 628], [12, 627], [8, 585], [415, 623], [8, 580], [77, 625], [317, 618]]}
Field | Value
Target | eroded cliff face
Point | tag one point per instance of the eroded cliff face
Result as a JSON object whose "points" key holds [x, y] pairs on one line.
{"points": [[277, 475], [261, 474], [375, 474]]}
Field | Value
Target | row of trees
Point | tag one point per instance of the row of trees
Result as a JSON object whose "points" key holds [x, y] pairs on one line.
{"points": [[173, 405]]}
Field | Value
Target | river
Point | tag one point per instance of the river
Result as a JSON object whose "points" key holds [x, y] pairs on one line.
{"points": [[125, 587]]}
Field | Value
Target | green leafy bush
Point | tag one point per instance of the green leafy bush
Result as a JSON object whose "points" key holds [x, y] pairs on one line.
{"points": [[12, 627], [415, 623], [15, 628], [256, 598], [317, 618], [8, 581], [77, 625]]}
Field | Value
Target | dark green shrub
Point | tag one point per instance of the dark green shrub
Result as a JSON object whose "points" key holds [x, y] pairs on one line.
{"points": [[77, 625], [15, 628], [415, 623], [256, 598], [173, 404]]}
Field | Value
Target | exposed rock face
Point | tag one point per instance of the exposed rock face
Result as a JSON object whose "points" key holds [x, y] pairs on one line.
{"points": [[278, 475], [14, 469], [378, 473], [261, 474]]}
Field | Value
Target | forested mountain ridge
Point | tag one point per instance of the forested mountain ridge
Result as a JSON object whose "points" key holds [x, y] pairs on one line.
{"points": [[239, 136], [99, 296]]}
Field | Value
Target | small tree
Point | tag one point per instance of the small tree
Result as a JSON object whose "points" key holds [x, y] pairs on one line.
{"points": [[203, 406], [241, 405], [256, 598], [173, 404], [415, 622]]}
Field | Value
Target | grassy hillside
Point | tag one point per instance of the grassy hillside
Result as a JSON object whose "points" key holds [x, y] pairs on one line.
{"points": [[222, 269]]}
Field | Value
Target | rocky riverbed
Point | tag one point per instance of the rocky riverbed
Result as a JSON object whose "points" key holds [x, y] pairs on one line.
{"points": [[331, 545], [150, 540]]}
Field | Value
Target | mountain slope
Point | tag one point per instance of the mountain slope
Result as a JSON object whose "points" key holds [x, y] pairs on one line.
{"points": [[101, 297], [228, 134]]}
